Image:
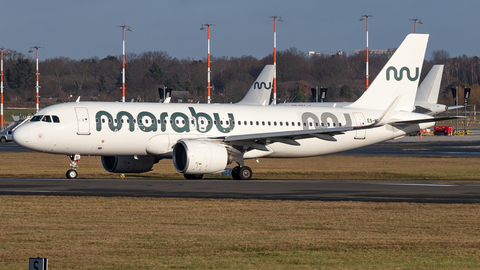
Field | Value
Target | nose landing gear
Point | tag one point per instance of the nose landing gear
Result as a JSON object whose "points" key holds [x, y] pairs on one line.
{"points": [[72, 173]]}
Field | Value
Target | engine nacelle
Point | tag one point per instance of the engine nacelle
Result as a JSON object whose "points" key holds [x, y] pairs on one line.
{"points": [[199, 157], [128, 164]]}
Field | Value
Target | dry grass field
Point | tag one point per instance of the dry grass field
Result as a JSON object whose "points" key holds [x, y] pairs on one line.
{"points": [[156, 233], [153, 233]]}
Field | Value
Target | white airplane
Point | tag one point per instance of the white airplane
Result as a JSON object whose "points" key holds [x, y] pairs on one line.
{"points": [[425, 99], [205, 138]]}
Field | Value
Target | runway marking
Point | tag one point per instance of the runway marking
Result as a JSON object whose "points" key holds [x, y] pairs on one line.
{"points": [[418, 184]]}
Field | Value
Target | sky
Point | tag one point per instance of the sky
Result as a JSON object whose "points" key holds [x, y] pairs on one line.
{"points": [[88, 28]]}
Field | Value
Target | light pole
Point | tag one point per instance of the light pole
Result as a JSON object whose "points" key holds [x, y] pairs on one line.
{"points": [[208, 57], [1, 92], [415, 20], [123, 68], [275, 18], [37, 87], [365, 17]]}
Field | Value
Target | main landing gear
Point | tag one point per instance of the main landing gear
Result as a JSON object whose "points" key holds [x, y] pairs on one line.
{"points": [[72, 173], [242, 173]]}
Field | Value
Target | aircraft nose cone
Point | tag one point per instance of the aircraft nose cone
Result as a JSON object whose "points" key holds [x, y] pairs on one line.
{"points": [[22, 136]]}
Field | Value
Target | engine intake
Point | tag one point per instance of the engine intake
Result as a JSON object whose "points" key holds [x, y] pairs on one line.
{"points": [[199, 157], [128, 164]]}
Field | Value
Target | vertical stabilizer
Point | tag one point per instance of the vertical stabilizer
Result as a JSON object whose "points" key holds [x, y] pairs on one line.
{"points": [[259, 93], [398, 78], [430, 86]]}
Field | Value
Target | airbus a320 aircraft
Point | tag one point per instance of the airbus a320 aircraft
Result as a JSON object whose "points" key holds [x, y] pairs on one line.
{"points": [[205, 138]]}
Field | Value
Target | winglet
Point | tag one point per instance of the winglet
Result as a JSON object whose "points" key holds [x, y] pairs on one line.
{"points": [[387, 114]]}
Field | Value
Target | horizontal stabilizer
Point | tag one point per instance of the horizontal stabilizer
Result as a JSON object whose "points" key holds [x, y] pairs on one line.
{"points": [[426, 120]]}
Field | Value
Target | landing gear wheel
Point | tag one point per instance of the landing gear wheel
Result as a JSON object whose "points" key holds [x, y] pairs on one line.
{"points": [[242, 173], [3, 139], [235, 174], [72, 174], [193, 176]]}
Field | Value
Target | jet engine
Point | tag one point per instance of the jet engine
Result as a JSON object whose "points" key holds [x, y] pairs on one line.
{"points": [[128, 164], [199, 157]]}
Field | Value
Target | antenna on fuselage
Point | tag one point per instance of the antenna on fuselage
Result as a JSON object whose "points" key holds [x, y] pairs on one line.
{"points": [[78, 99]]}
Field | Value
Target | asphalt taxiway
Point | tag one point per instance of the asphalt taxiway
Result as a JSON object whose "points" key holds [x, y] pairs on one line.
{"points": [[325, 190]]}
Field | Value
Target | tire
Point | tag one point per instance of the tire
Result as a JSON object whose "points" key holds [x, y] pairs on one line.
{"points": [[235, 174], [193, 176], [72, 174], [245, 173], [3, 139]]}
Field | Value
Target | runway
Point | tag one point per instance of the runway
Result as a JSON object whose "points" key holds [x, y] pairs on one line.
{"points": [[325, 190]]}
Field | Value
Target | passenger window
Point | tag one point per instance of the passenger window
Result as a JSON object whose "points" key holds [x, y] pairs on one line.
{"points": [[257, 123], [36, 118], [103, 120], [304, 124], [251, 123], [115, 120], [245, 123], [121, 121], [339, 124], [55, 119], [109, 120], [328, 124], [47, 119], [333, 124], [269, 123], [239, 123], [281, 123], [298, 123], [193, 122], [263, 123], [96, 120], [286, 123], [275, 123], [311, 124]]}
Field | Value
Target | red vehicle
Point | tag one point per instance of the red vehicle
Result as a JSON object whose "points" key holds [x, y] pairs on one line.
{"points": [[443, 130]]}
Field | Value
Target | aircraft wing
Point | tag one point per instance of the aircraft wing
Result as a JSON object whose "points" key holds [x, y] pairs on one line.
{"points": [[290, 137]]}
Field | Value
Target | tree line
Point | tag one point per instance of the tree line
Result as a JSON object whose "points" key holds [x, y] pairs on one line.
{"points": [[101, 79]]}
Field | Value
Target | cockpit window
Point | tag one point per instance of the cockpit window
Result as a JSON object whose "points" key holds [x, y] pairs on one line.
{"points": [[55, 119], [36, 118], [47, 118]]}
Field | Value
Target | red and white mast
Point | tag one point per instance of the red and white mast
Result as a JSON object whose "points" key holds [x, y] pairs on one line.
{"points": [[415, 20], [123, 67], [275, 56], [208, 57], [367, 75], [37, 87], [1, 93]]}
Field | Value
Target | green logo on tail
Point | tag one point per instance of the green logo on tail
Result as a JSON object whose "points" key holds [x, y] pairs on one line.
{"points": [[399, 77]]}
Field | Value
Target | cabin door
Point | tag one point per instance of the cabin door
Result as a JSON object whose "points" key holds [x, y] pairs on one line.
{"points": [[83, 121], [360, 122]]}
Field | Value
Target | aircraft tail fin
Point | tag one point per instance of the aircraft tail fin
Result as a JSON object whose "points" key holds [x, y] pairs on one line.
{"points": [[430, 87], [398, 78], [259, 93]]}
